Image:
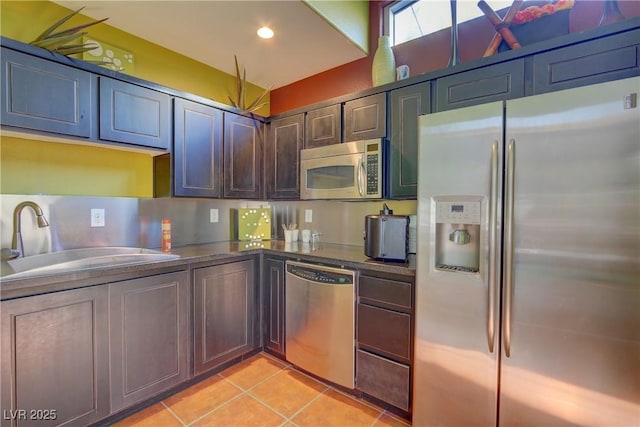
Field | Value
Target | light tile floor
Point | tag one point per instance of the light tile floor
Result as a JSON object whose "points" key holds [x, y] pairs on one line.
{"points": [[262, 391]]}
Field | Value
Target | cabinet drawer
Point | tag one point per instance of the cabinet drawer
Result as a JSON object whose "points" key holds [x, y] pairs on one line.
{"points": [[392, 294], [493, 83], [383, 379], [384, 330]]}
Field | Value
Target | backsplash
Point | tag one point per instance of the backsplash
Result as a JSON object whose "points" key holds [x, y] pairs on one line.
{"points": [[137, 222]]}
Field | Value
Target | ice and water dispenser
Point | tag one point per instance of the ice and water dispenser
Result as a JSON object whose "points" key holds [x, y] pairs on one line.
{"points": [[457, 245]]}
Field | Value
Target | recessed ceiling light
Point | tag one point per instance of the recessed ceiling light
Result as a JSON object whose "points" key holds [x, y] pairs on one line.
{"points": [[265, 32]]}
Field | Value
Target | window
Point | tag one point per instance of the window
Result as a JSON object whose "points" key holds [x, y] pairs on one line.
{"points": [[409, 19]]}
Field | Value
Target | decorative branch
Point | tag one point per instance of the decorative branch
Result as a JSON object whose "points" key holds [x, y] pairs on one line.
{"points": [[58, 41], [241, 89]]}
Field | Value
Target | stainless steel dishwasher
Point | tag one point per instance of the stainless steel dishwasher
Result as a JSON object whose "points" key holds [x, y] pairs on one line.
{"points": [[320, 321]]}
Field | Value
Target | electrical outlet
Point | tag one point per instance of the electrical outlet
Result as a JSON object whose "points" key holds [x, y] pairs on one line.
{"points": [[97, 218], [308, 215], [213, 215]]}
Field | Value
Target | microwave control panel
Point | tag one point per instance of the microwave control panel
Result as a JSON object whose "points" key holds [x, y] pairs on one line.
{"points": [[373, 168]]}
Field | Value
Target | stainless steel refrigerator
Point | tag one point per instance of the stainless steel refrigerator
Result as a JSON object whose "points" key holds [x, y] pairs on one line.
{"points": [[528, 264]]}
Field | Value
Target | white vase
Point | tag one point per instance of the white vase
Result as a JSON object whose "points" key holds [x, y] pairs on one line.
{"points": [[383, 69]]}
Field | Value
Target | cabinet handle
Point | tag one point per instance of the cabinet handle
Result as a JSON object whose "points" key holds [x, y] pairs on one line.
{"points": [[508, 253]]}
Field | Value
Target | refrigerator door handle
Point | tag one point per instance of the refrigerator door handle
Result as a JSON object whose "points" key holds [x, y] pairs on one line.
{"points": [[508, 251], [493, 209]]}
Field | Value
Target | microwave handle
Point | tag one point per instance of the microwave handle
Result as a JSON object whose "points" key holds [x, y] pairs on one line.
{"points": [[361, 173]]}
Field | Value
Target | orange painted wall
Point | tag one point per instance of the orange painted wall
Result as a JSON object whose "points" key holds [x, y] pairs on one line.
{"points": [[423, 55]]}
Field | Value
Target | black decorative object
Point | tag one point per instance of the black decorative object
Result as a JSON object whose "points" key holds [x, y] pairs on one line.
{"points": [[611, 13], [454, 58], [544, 28]]}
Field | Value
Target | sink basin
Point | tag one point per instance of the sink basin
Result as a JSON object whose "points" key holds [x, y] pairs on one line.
{"points": [[80, 259]]}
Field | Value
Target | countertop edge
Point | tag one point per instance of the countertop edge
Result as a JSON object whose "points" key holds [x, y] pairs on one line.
{"points": [[194, 256]]}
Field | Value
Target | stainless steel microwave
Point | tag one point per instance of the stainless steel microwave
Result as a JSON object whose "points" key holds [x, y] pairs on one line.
{"points": [[352, 170]]}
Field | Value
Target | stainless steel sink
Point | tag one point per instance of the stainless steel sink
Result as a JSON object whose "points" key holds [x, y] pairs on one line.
{"points": [[81, 259]]}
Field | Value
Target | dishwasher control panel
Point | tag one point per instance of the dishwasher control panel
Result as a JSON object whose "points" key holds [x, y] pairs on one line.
{"points": [[321, 274]]}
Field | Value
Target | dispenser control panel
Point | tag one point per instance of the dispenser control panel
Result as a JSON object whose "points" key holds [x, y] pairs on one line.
{"points": [[458, 212]]}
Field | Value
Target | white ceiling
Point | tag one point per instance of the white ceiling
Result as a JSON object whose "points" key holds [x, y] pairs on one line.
{"points": [[212, 31]]}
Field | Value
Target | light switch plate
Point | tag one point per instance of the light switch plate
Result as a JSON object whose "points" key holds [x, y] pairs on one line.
{"points": [[213, 215], [308, 215], [97, 218]]}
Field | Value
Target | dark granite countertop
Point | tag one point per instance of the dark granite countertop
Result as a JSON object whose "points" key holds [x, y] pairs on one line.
{"points": [[346, 256]]}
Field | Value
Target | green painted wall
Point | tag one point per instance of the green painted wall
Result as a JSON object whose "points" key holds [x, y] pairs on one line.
{"points": [[351, 18], [37, 167], [54, 173]]}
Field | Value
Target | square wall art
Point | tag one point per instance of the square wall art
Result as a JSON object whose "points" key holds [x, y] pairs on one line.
{"points": [[117, 59]]}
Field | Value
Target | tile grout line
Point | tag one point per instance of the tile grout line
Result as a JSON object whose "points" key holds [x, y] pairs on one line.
{"points": [[307, 405], [173, 413], [242, 393], [397, 418], [283, 366], [377, 419], [256, 398], [329, 387], [225, 403]]}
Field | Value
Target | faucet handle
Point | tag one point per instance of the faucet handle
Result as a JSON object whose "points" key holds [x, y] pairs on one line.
{"points": [[8, 253]]}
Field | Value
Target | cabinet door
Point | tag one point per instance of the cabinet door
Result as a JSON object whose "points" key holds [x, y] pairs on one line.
{"points": [[273, 304], [197, 149], [407, 104], [225, 313], [149, 328], [323, 126], [134, 114], [493, 83], [592, 62], [45, 96], [242, 157], [365, 118], [282, 160], [55, 365]]}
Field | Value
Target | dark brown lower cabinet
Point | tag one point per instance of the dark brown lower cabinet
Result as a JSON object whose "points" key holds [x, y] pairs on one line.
{"points": [[273, 274], [55, 358], [384, 334], [149, 329], [226, 313], [384, 379]]}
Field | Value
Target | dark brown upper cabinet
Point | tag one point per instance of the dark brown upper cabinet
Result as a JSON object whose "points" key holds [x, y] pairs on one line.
{"points": [[45, 96], [282, 157], [242, 157], [134, 114], [365, 118], [616, 57], [197, 149], [406, 104], [496, 82], [323, 126]]}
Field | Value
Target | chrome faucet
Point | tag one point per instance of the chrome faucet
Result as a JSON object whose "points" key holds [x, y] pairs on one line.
{"points": [[17, 248]]}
